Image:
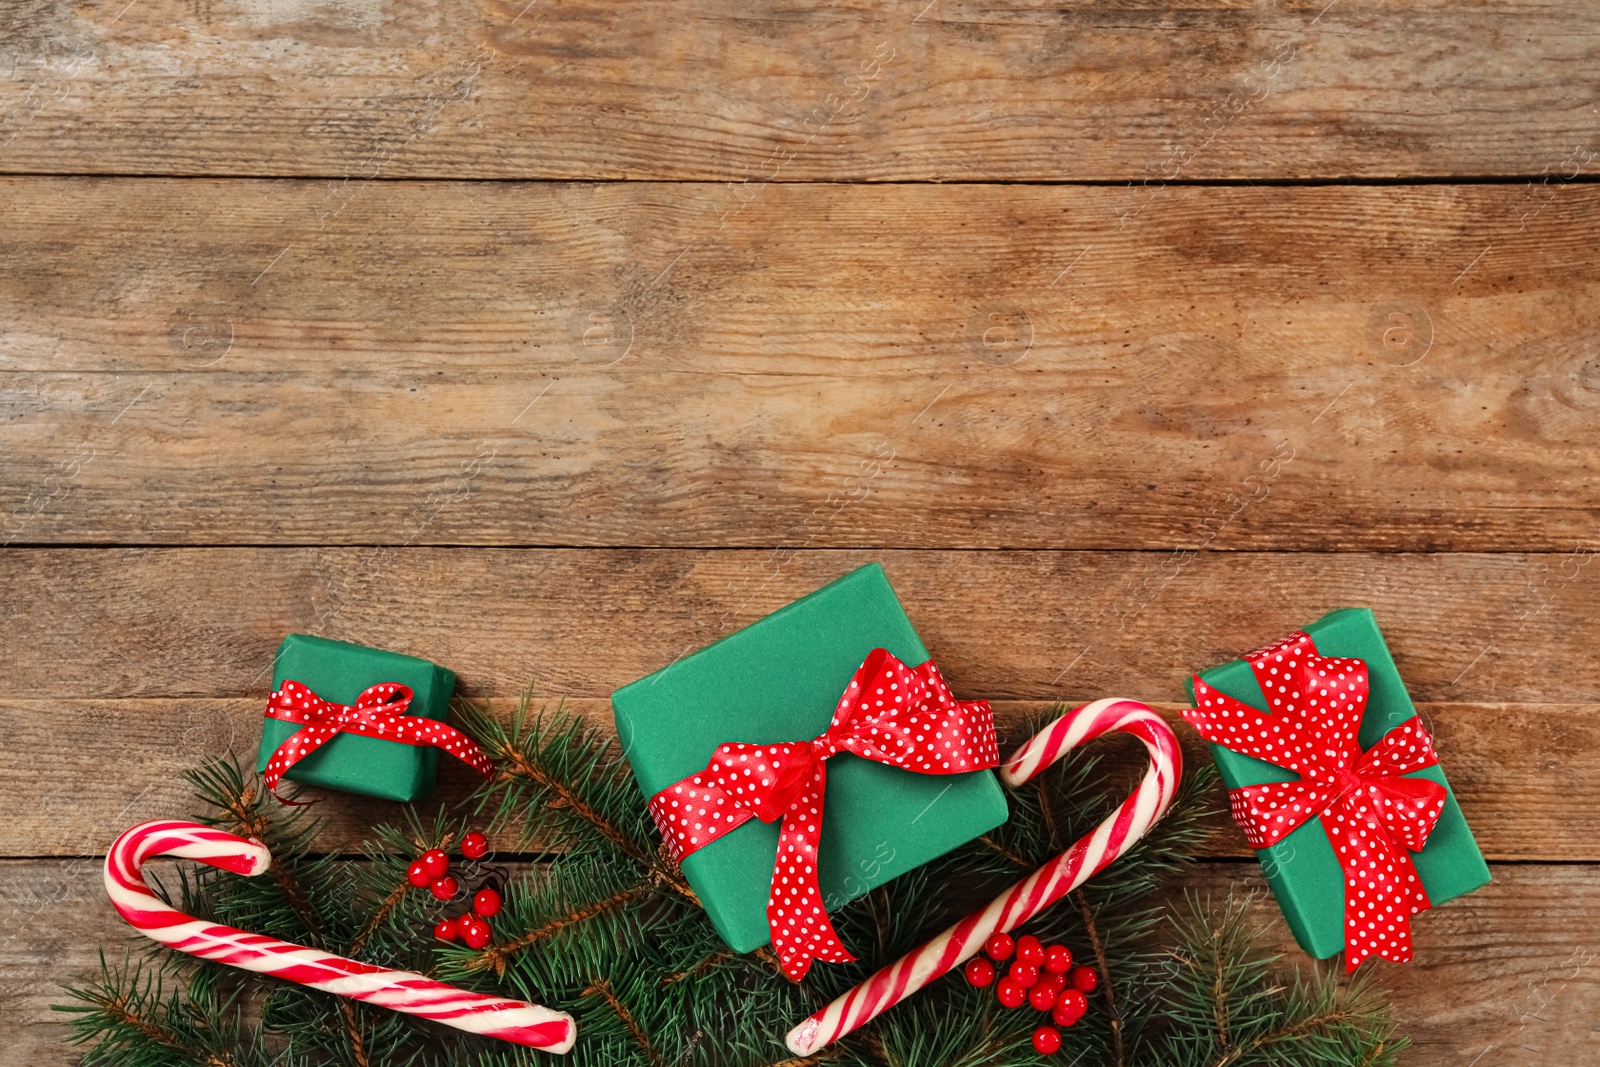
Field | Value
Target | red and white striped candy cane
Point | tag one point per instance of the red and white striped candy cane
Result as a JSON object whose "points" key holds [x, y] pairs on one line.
{"points": [[1088, 856], [476, 1013]]}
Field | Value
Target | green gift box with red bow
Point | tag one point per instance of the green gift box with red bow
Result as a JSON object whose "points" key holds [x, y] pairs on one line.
{"points": [[339, 673], [767, 702], [1335, 781]]}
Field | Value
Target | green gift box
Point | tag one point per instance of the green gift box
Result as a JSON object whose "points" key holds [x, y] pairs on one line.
{"points": [[1302, 869], [339, 672], [780, 680]]}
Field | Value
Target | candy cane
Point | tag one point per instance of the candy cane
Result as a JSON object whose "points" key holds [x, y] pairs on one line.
{"points": [[1087, 857], [508, 1020]]}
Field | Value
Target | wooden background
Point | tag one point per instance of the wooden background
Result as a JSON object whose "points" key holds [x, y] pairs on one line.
{"points": [[550, 340]]}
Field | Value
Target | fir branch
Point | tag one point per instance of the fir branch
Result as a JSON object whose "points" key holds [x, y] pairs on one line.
{"points": [[531, 750], [133, 1022], [716, 959], [827, 1055], [1225, 1008], [991, 1037], [245, 811], [118, 1009], [602, 989], [1108, 984], [517, 763], [1294, 1029], [1374, 1054], [384, 909], [353, 1029], [1041, 786], [1219, 989], [495, 956], [298, 901], [571, 771], [874, 1041], [1010, 856], [221, 783]]}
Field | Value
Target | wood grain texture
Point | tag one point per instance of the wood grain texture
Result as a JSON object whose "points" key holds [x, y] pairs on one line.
{"points": [[909, 366], [720, 90], [1527, 775], [1513, 968], [272, 359], [116, 623]]}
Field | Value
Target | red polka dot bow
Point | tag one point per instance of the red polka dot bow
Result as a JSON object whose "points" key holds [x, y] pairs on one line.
{"points": [[1372, 815], [380, 711], [892, 714]]}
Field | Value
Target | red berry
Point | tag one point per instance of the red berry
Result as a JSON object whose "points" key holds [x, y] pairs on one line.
{"points": [[1025, 974], [1070, 1007], [1085, 978], [1055, 983], [435, 862], [1058, 959], [475, 931], [474, 846], [1029, 950], [418, 875], [444, 888], [1042, 997], [1046, 1040], [486, 902], [445, 929], [979, 971], [998, 947], [1011, 992]]}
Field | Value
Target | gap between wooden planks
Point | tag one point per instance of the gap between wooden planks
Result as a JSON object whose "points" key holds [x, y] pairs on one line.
{"points": [[914, 90], [192, 362], [1510, 972]]}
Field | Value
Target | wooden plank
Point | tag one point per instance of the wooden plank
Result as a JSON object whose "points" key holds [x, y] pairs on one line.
{"points": [[41, 948], [720, 90], [1511, 968], [916, 366], [115, 623], [1527, 775]]}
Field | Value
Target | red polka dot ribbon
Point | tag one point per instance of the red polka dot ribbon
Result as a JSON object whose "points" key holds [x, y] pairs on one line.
{"points": [[1372, 815], [890, 713], [380, 711]]}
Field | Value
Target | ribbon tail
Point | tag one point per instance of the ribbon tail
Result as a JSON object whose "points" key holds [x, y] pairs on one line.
{"points": [[1382, 890], [296, 747], [796, 913], [453, 742]]}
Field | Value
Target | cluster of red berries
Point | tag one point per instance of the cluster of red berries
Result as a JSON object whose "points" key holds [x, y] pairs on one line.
{"points": [[1043, 977], [431, 870]]}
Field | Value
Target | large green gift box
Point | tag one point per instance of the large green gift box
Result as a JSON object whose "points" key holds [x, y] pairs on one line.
{"points": [[1302, 870], [780, 680], [339, 672]]}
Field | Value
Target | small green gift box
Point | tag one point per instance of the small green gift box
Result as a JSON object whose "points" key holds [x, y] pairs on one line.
{"points": [[776, 681], [1301, 868], [339, 673]]}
